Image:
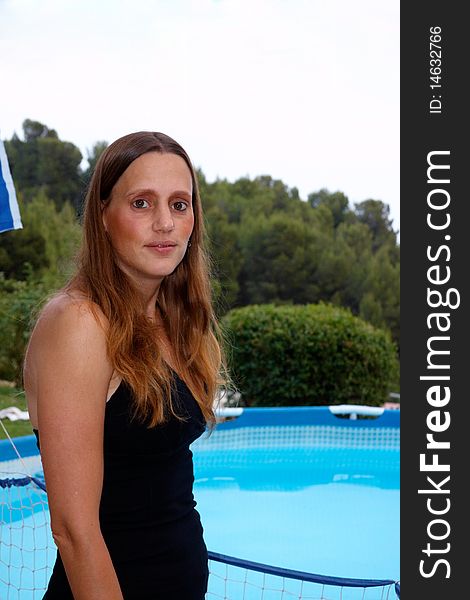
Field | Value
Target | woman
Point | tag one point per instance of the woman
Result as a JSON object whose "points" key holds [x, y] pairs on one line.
{"points": [[120, 376]]}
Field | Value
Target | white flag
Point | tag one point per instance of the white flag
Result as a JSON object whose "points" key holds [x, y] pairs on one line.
{"points": [[10, 217]]}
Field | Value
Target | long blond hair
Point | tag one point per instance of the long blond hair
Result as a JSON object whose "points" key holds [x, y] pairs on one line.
{"points": [[184, 298]]}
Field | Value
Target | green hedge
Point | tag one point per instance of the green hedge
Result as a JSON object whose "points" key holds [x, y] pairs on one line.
{"points": [[308, 355]]}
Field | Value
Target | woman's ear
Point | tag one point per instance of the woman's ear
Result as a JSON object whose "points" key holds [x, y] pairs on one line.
{"points": [[103, 217]]}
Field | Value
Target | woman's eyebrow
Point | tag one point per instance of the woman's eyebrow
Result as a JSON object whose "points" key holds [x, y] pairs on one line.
{"points": [[182, 193], [140, 191], [155, 193]]}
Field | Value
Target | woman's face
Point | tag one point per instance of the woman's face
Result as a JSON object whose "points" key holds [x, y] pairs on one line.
{"points": [[150, 218]]}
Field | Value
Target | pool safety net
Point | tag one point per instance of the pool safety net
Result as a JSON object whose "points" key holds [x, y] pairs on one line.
{"points": [[274, 439], [27, 554], [236, 579], [309, 451], [27, 550]]}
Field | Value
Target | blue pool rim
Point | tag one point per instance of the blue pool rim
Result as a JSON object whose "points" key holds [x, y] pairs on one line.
{"points": [[307, 415], [299, 575]]}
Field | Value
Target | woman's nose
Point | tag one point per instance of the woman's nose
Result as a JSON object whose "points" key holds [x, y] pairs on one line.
{"points": [[162, 219]]}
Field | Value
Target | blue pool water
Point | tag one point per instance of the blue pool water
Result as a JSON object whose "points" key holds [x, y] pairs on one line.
{"points": [[295, 488], [335, 512]]}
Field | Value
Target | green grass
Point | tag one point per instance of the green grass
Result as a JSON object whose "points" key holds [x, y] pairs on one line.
{"points": [[11, 396]]}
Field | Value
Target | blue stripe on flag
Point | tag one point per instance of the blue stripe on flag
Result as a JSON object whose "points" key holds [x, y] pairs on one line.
{"points": [[10, 217]]}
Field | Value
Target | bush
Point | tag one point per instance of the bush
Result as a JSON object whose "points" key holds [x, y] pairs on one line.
{"points": [[308, 355], [19, 302]]}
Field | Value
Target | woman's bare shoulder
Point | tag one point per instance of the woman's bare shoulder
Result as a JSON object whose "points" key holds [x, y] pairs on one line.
{"points": [[67, 309], [68, 320]]}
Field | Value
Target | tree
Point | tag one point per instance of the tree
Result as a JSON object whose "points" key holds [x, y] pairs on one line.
{"points": [[58, 171], [45, 247], [226, 258], [43, 162], [337, 202], [380, 304], [280, 260], [358, 239], [92, 158], [34, 130], [22, 252], [376, 215]]}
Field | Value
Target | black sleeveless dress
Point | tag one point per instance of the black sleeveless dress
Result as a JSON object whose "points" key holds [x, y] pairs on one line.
{"points": [[147, 512]]}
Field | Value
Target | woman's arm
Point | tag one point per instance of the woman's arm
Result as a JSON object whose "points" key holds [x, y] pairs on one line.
{"points": [[68, 371]]}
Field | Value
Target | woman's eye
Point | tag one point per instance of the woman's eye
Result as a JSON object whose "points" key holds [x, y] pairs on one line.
{"points": [[180, 206], [140, 203]]}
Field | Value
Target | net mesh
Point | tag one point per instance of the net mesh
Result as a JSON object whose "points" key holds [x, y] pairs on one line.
{"points": [[273, 438], [27, 550], [252, 581]]}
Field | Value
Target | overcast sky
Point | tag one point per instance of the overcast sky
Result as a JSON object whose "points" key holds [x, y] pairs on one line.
{"points": [[306, 91]]}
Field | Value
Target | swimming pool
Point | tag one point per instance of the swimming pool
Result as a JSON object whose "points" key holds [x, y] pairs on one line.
{"points": [[297, 488], [315, 493]]}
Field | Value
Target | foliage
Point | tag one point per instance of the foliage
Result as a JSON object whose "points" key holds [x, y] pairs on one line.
{"points": [[226, 257], [308, 355], [278, 248], [43, 162], [280, 260], [45, 247], [19, 303], [92, 158], [376, 215], [34, 261], [21, 252], [337, 203]]}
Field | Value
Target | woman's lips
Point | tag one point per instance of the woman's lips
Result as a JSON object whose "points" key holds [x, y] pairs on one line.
{"points": [[162, 248]]}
